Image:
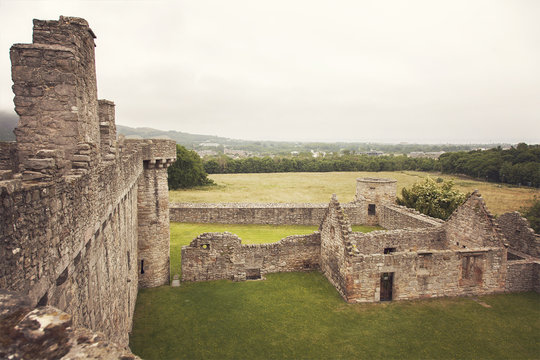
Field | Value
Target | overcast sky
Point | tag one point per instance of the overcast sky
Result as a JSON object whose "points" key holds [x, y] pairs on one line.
{"points": [[459, 71]]}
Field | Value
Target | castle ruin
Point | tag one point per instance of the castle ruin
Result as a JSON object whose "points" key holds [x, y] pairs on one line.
{"points": [[85, 216], [415, 257], [85, 222]]}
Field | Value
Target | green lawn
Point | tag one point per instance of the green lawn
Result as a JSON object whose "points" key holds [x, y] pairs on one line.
{"points": [[183, 233], [301, 316]]}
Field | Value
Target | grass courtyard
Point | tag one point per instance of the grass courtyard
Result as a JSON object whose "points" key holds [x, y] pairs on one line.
{"points": [[301, 316]]}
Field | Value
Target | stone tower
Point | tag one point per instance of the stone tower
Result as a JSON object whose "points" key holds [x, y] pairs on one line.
{"points": [[376, 191], [153, 216]]}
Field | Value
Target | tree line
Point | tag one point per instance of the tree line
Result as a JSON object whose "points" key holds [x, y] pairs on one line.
{"points": [[518, 165], [226, 165]]}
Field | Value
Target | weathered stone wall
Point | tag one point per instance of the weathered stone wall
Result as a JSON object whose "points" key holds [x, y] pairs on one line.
{"points": [[248, 213], [290, 214], [8, 164], [521, 275], [215, 256], [336, 246], [71, 229], [518, 234], [471, 225], [72, 243], [400, 240], [56, 97], [426, 274], [394, 217]]}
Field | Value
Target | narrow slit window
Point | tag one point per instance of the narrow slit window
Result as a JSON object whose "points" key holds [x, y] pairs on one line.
{"points": [[142, 266]]}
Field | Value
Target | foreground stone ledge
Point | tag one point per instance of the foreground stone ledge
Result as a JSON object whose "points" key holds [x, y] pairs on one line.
{"points": [[47, 333]]}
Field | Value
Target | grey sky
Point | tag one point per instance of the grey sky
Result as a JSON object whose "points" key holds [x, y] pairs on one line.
{"points": [[428, 71]]}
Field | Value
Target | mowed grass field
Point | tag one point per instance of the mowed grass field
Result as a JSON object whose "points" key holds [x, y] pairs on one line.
{"points": [[318, 187], [301, 316]]}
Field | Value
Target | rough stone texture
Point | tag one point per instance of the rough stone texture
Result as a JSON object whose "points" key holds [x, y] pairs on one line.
{"points": [[47, 333], [472, 225], [71, 224], [154, 236], [8, 157], [518, 233], [215, 256]]}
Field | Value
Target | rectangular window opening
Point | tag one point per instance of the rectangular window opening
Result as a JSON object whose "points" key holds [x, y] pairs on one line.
{"points": [[389, 250], [142, 266], [371, 209]]}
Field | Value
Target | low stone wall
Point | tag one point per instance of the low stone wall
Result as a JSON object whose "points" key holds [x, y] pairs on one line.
{"points": [[215, 256], [393, 217], [248, 213]]}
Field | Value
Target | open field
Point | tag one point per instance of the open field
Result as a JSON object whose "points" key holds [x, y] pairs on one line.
{"points": [[318, 187], [301, 316], [183, 233]]}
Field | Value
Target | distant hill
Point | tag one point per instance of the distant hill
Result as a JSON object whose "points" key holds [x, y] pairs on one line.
{"points": [[188, 140], [210, 142], [8, 122]]}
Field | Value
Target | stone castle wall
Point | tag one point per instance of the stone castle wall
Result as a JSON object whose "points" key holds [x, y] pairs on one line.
{"points": [[79, 207], [215, 256], [388, 216]]}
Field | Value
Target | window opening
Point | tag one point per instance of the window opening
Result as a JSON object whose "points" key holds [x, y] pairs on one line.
{"points": [[371, 209], [142, 266], [389, 250]]}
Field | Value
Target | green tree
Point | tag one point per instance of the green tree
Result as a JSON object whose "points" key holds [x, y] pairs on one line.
{"points": [[431, 198], [187, 171], [533, 215]]}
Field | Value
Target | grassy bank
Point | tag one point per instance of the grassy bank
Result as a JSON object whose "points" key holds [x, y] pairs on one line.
{"points": [[183, 233], [318, 187], [301, 316]]}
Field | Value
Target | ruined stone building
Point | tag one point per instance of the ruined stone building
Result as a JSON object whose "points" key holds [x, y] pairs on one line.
{"points": [[415, 257], [84, 216]]}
